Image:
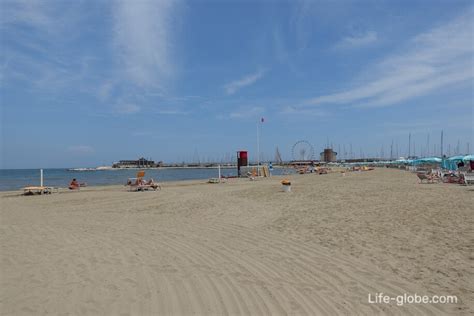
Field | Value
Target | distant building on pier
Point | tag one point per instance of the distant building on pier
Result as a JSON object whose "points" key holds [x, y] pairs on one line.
{"points": [[139, 163], [328, 155]]}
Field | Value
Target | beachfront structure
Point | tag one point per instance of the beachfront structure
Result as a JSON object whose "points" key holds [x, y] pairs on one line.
{"points": [[242, 160], [139, 163], [328, 155]]}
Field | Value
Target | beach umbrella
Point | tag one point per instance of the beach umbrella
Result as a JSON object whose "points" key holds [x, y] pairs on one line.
{"points": [[429, 160], [400, 161], [456, 158], [433, 159], [468, 158]]}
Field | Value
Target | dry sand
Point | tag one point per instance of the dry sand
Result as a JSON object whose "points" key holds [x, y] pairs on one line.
{"points": [[242, 247]]}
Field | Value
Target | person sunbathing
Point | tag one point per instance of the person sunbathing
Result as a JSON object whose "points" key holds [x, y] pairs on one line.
{"points": [[152, 184], [75, 185]]}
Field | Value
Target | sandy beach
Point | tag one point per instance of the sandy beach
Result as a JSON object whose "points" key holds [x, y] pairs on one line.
{"points": [[240, 248]]}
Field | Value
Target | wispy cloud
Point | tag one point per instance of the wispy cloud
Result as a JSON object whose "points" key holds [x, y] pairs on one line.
{"points": [[39, 36], [308, 112], [244, 112], [301, 19], [431, 61], [358, 40], [127, 108], [28, 13], [144, 39], [47, 55], [105, 90], [247, 80], [171, 112]]}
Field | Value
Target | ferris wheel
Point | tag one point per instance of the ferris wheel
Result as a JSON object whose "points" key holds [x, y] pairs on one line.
{"points": [[302, 150]]}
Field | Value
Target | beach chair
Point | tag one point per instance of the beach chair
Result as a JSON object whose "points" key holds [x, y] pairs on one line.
{"points": [[41, 189], [36, 190], [323, 171], [453, 178], [141, 174], [469, 178], [424, 176], [435, 177], [139, 184]]}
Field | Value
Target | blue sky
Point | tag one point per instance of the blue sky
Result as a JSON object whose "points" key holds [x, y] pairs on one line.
{"points": [[86, 83]]}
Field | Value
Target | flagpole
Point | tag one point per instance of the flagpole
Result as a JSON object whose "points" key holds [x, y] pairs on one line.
{"points": [[258, 146]]}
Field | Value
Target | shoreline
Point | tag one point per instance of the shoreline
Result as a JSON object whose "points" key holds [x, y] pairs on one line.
{"points": [[60, 178], [164, 184], [176, 167]]}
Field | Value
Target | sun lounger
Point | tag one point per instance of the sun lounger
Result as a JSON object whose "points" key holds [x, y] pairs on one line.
{"points": [[469, 178], [139, 184], [452, 178], [37, 190], [425, 176], [41, 189], [322, 171], [435, 177]]}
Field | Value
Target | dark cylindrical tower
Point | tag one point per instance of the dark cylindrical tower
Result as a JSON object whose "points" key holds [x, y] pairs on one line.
{"points": [[242, 160]]}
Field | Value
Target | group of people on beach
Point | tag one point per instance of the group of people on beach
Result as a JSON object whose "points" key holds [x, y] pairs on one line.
{"points": [[75, 185]]}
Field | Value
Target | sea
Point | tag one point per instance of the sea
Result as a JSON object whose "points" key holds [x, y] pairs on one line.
{"points": [[15, 179]]}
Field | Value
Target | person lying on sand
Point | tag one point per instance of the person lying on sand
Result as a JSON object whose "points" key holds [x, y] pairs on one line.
{"points": [[151, 183], [142, 182]]}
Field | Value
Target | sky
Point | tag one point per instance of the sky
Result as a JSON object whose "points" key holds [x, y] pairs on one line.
{"points": [[87, 83]]}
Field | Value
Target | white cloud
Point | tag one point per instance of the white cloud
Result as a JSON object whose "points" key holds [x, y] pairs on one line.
{"points": [[302, 15], [250, 79], [358, 40], [431, 61], [247, 112], [40, 37], [171, 112], [30, 13], [105, 90], [80, 149], [127, 108], [308, 112], [143, 40], [46, 52]]}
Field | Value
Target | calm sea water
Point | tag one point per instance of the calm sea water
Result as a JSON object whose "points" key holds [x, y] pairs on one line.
{"points": [[14, 179]]}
